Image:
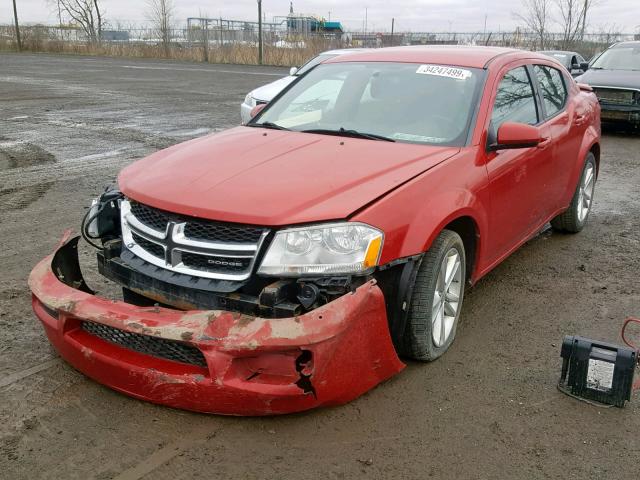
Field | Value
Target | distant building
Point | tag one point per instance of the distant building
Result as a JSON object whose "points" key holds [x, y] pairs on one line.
{"points": [[115, 36]]}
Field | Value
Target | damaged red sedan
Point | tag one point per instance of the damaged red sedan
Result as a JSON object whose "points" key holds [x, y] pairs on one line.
{"points": [[290, 263]]}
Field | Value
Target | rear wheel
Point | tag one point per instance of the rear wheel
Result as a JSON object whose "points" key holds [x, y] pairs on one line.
{"points": [[437, 298], [575, 217]]}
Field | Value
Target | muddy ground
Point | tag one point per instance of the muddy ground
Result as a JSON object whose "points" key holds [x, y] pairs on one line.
{"points": [[488, 409]]}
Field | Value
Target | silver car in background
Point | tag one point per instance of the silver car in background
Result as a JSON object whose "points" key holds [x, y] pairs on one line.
{"points": [[572, 61], [267, 92]]}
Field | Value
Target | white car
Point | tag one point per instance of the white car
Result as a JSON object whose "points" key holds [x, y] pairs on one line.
{"points": [[267, 92]]}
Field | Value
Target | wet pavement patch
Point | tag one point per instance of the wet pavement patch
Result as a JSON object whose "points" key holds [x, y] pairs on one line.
{"points": [[19, 198], [21, 154]]}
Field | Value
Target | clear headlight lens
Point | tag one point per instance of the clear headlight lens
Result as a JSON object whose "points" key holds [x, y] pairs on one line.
{"points": [[339, 248], [249, 100]]}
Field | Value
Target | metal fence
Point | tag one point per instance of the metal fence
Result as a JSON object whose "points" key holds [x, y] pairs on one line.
{"points": [[200, 37]]}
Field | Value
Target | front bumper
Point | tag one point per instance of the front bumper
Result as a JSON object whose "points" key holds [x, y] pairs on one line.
{"points": [[253, 366], [612, 113]]}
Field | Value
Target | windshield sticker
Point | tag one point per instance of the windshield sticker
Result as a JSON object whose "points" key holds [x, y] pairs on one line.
{"points": [[442, 71], [408, 137]]}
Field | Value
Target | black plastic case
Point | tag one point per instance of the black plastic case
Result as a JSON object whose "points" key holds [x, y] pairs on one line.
{"points": [[598, 371]]}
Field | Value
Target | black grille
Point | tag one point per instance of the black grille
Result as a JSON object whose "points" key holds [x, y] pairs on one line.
{"points": [[157, 347], [151, 217], [195, 228], [151, 247], [220, 232], [219, 264], [616, 96]]}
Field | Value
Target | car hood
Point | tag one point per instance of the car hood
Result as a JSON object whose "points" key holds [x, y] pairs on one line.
{"points": [[270, 177], [270, 90], [611, 78]]}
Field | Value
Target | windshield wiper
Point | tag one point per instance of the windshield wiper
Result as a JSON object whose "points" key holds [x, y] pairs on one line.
{"points": [[271, 125], [349, 133]]}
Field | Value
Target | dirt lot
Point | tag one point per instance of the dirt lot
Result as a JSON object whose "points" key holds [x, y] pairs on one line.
{"points": [[487, 409]]}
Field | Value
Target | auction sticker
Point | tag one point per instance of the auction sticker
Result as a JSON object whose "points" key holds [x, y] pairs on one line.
{"points": [[444, 71], [600, 375]]}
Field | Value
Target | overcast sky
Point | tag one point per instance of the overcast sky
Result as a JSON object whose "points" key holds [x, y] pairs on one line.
{"points": [[415, 15]]}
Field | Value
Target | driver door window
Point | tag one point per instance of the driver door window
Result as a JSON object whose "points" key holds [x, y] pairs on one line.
{"points": [[515, 101]]}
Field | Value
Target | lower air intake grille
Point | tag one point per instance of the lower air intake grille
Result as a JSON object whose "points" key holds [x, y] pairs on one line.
{"points": [[157, 347]]}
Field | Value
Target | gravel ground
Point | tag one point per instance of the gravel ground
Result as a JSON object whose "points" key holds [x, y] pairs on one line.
{"points": [[488, 409]]}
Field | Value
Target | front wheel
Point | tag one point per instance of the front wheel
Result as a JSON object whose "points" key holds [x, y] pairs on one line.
{"points": [[575, 217], [437, 298]]}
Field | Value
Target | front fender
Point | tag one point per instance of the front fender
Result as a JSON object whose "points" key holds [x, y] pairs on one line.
{"points": [[413, 215]]}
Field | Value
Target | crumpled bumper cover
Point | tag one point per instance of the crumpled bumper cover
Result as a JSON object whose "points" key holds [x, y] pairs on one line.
{"points": [[253, 366]]}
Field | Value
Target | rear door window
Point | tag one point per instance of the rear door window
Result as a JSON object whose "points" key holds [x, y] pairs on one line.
{"points": [[515, 101], [552, 87]]}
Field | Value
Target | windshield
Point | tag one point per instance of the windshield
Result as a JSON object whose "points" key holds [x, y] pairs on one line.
{"points": [[619, 58], [406, 102], [313, 62]]}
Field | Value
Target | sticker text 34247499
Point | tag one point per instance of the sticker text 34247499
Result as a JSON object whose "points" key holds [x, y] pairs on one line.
{"points": [[444, 71]]}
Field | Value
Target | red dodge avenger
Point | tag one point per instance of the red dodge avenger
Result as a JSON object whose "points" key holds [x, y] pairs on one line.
{"points": [[290, 263]]}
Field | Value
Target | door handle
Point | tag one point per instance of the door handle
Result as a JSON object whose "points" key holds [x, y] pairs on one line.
{"points": [[580, 119], [544, 143]]}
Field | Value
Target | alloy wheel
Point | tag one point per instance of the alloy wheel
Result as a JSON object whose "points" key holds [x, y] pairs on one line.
{"points": [[446, 298], [585, 194]]}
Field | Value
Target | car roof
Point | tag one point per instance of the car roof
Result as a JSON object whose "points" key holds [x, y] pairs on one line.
{"points": [[343, 51], [563, 52], [459, 55], [630, 43]]}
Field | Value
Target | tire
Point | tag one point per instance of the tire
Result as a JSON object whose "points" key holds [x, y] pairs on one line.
{"points": [[424, 340], [574, 218]]}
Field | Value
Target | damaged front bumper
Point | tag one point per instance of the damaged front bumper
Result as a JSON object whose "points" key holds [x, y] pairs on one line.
{"points": [[612, 113], [215, 361]]}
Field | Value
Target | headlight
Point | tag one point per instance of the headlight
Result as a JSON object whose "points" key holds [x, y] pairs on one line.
{"points": [[339, 248], [249, 100]]}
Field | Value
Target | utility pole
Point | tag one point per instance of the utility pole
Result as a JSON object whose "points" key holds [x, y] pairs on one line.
{"points": [[259, 32], [206, 40], [15, 15], [365, 19], [584, 18], [393, 21]]}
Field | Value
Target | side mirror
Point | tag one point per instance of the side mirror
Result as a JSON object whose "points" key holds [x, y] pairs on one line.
{"points": [[293, 71], [516, 135], [584, 66], [576, 66], [257, 109]]}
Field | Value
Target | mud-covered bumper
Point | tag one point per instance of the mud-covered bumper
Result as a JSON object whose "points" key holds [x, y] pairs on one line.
{"points": [[610, 113], [250, 365]]}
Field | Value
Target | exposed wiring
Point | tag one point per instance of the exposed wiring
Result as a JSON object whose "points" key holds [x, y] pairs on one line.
{"points": [[627, 322], [624, 328], [109, 196], [84, 225], [87, 221]]}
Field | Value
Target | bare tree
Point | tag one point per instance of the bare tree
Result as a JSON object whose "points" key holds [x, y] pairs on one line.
{"points": [[568, 20], [573, 19], [160, 14], [87, 14], [536, 16], [585, 11]]}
